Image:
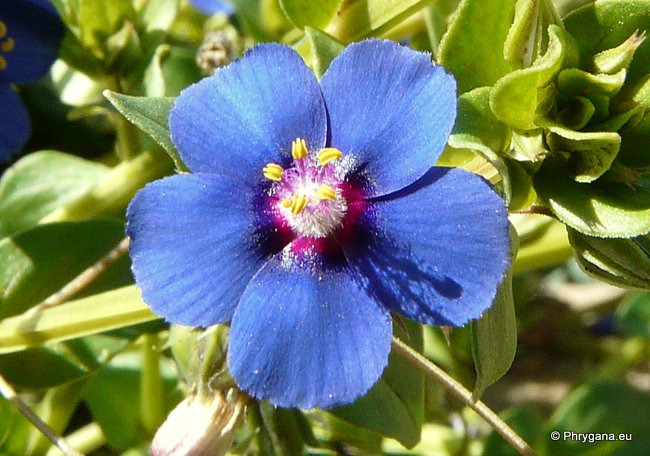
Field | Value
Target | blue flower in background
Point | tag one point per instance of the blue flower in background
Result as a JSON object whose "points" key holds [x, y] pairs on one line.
{"points": [[211, 7], [30, 32], [312, 212]]}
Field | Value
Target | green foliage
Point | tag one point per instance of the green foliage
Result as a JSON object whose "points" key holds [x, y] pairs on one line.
{"points": [[494, 335], [472, 48], [554, 112], [394, 406]]}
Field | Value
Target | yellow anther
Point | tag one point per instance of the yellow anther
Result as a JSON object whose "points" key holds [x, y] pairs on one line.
{"points": [[325, 192], [3, 29], [3, 63], [273, 172], [298, 204], [7, 45], [328, 154], [286, 203], [298, 148]]}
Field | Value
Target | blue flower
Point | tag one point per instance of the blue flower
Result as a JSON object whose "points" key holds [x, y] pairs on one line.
{"points": [[30, 32], [211, 7], [312, 212]]}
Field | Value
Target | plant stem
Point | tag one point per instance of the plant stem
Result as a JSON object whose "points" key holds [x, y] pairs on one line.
{"points": [[152, 394], [463, 394], [88, 438], [10, 394]]}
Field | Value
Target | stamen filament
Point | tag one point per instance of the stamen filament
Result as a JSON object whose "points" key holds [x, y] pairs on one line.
{"points": [[298, 204], [299, 148], [325, 192], [273, 172], [329, 154]]}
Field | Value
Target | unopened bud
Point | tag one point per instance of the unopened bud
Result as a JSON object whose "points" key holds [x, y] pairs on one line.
{"points": [[201, 425], [217, 50]]}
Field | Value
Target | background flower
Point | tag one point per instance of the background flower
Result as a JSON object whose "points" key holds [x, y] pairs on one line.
{"points": [[30, 32], [211, 7], [308, 279]]}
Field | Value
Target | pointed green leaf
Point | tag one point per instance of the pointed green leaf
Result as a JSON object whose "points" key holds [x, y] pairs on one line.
{"points": [[364, 18], [151, 115], [518, 96], [605, 24], [99, 19], [622, 262], [604, 208], [323, 49], [40, 183], [472, 48], [394, 407], [527, 38], [94, 314], [307, 13], [494, 335]]}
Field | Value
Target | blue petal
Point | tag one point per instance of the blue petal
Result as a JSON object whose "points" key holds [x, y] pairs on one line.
{"points": [[436, 251], [248, 113], [211, 7], [15, 127], [391, 109], [306, 335], [36, 30], [196, 240]]}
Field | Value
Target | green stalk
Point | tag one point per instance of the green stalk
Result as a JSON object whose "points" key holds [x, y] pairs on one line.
{"points": [[464, 395], [86, 439], [152, 394], [56, 409], [114, 191]]}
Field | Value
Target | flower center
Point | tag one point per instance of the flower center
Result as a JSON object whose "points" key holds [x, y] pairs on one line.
{"points": [[6, 45], [308, 194]]}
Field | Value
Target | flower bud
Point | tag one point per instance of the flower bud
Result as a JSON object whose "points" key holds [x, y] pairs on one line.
{"points": [[201, 425]]}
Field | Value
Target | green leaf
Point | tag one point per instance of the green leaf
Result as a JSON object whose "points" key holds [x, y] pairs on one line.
{"points": [[159, 14], [527, 39], [472, 48], [604, 208], [322, 50], [494, 335], [573, 82], [589, 154], [40, 183], [98, 20], [364, 18], [622, 262], [39, 262], [633, 316], [394, 407], [518, 97], [170, 70], [305, 13], [113, 397], [605, 24], [603, 407], [478, 129], [95, 314], [151, 116]]}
